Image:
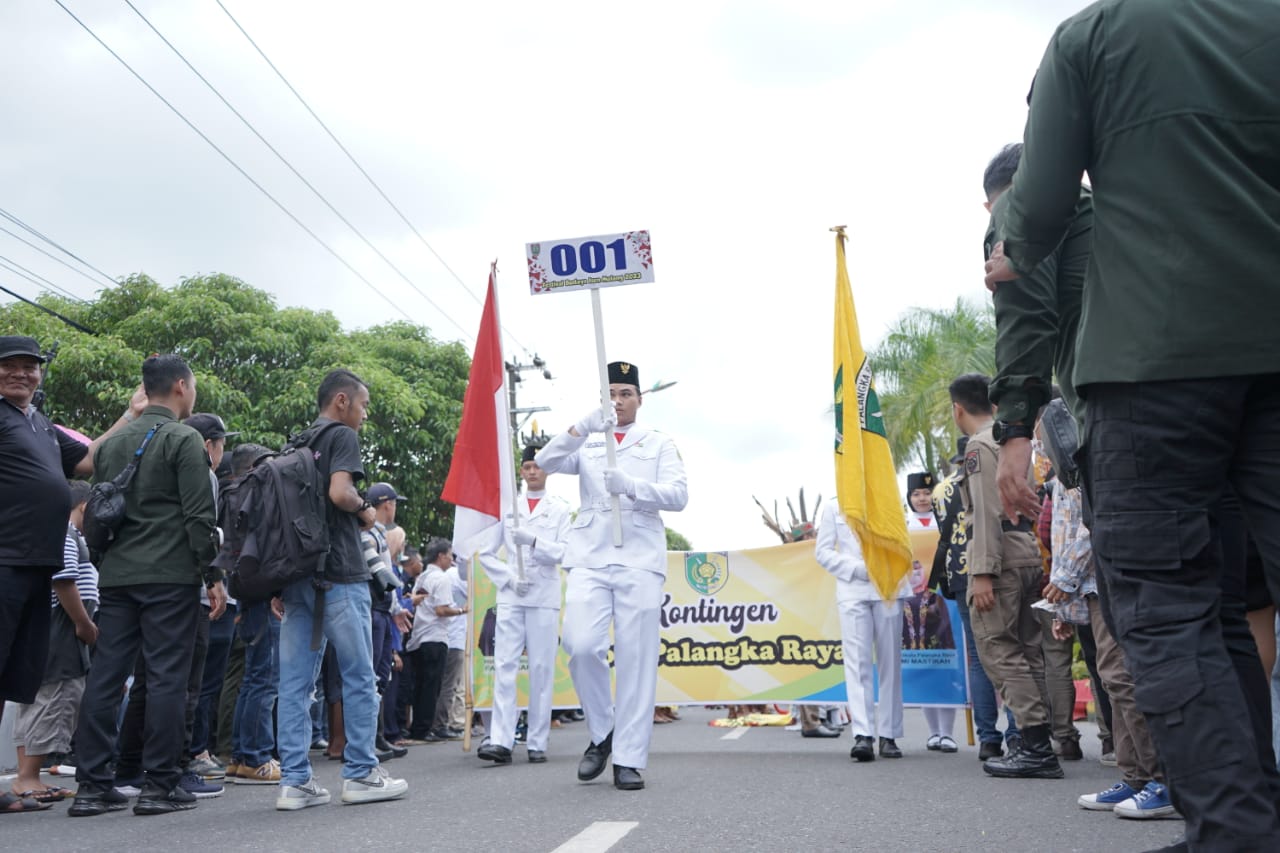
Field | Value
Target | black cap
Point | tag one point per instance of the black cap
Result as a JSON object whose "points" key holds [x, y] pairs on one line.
{"points": [[381, 492], [961, 443], [209, 426], [12, 346], [624, 373], [920, 480]]}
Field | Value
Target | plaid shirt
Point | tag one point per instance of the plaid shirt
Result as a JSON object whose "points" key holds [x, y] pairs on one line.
{"points": [[1073, 570]]}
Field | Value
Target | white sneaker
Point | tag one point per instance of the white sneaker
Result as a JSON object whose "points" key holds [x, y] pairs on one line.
{"points": [[375, 787], [294, 797]]}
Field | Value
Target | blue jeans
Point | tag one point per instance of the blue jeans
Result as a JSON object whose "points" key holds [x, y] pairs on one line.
{"points": [[982, 693], [253, 735], [347, 627], [221, 633]]}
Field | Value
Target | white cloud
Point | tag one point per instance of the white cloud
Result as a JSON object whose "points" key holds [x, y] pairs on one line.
{"points": [[736, 132]]}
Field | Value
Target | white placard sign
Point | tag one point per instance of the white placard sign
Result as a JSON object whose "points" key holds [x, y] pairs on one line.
{"points": [[588, 263]]}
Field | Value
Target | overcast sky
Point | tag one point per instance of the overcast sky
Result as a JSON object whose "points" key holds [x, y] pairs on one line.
{"points": [[737, 133]]}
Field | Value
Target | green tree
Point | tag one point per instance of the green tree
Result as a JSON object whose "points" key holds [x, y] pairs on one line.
{"points": [[914, 365], [258, 366], [676, 542]]}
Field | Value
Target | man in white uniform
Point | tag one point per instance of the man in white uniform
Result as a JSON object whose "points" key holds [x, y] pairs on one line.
{"points": [[867, 624], [528, 613], [618, 584]]}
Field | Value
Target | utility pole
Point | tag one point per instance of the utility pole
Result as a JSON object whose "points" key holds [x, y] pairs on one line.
{"points": [[520, 415]]}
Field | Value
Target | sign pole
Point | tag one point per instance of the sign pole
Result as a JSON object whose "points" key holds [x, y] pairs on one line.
{"points": [[610, 441]]}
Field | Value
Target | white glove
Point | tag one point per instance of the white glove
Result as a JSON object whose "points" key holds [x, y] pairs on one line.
{"points": [[596, 421], [619, 482], [522, 536], [523, 587]]}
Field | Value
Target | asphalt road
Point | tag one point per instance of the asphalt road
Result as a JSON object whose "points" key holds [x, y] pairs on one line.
{"points": [[709, 789]]}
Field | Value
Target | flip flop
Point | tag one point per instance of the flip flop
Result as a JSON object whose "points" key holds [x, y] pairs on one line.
{"points": [[52, 794], [13, 804]]}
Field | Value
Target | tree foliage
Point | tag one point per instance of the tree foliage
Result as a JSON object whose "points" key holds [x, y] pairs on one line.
{"points": [[258, 366], [676, 542], [914, 365]]}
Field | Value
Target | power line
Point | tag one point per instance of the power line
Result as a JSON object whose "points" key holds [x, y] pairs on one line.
{"points": [[36, 278], [33, 232], [234, 164], [360, 168], [291, 168], [67, 320], [49, 255]]}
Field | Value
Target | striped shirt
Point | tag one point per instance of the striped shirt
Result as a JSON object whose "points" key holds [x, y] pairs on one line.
{"points": [[77, 567]]}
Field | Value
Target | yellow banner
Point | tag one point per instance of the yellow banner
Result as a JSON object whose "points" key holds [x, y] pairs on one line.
{"points": [[761, 625]]}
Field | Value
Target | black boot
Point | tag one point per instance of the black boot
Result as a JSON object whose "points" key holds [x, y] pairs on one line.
{"points": [[594, 759], [1034, 759]]}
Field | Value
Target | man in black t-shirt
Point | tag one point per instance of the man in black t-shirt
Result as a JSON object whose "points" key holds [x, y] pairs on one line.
{"points": [[36, 459], [343, 609]]}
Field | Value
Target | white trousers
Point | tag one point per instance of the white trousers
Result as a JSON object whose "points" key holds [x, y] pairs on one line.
{"points": [[941, 721], [870, 628], [535, 630], [631, 599]]}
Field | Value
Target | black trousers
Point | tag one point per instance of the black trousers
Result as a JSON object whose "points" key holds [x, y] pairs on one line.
{"points": [[158, 621], [132, 731], [1160, 456], [1089, 647], [428, 670]]}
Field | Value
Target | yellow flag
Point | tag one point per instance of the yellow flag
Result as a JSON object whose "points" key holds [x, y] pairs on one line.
{"points": [[866, 481]]}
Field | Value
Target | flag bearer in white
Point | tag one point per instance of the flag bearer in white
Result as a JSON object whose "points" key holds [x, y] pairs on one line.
{"points": [[528, 613], [622, 585], [867, 624]]}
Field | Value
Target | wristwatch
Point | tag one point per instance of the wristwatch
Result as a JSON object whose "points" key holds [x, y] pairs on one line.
{"points": [[1002, 431]]}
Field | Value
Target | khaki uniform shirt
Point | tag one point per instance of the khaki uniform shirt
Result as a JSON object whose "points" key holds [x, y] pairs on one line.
{"points": [[995, 542]]}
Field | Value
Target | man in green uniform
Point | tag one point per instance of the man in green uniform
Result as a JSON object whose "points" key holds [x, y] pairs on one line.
{"points": [[1173, 109], [1004, 580]]}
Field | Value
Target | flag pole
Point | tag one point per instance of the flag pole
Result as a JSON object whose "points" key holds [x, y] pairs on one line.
{"points": [[468, 691], [610, 441], [506, 421]]}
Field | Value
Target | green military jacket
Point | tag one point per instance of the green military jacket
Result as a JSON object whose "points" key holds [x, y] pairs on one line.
{"points": [[1037, 321], [1173, 108], [170, 516], [995, 543]]}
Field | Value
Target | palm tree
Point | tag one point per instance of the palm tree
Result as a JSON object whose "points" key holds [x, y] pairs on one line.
{"points": [[914, 365]]}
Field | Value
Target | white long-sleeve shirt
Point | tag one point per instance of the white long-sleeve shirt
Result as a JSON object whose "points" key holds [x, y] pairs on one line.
{"points": [[840, 553]]}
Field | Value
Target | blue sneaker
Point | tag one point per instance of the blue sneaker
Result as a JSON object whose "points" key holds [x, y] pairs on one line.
{"points": [[1150, 803], [199, 788], [1105, 801]]}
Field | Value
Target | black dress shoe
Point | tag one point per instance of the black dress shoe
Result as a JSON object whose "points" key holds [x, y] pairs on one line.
{"points": [[990, 749], [90, 802], [821, 731], [889, 749], [383, 755], [863, 749], [155, 800], [627, 778], [1069, 750], [493, 752], [537, 756], [385, 746], [594, 759]]}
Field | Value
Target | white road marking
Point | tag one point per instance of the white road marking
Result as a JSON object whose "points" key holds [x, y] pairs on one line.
{"points": [[734, 734], [598, 837]]}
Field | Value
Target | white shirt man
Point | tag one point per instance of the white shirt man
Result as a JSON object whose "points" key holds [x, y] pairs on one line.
{"points": [[528, 613], [867, 623], [618, 584]]}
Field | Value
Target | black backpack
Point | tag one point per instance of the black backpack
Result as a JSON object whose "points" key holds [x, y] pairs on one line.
{"points": [[104, 511], [277, 527]]}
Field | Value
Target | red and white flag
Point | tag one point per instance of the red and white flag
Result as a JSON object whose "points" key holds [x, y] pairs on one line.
{"points": [[481, 481]]}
